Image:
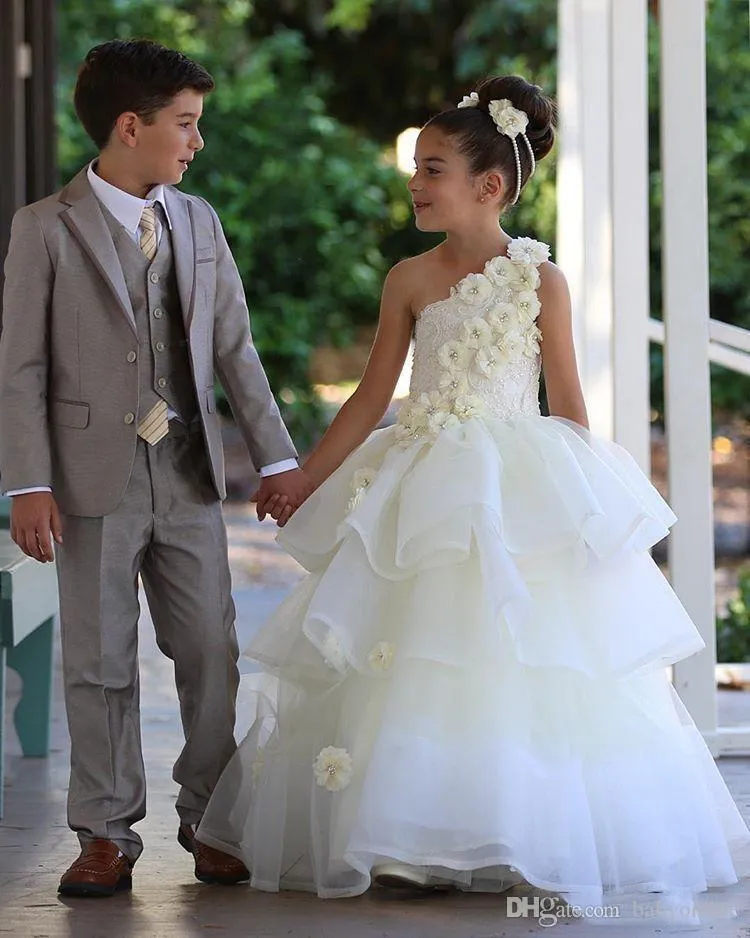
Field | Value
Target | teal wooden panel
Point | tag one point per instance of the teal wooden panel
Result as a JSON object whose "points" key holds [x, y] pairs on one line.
{"points": [[28, 592]]}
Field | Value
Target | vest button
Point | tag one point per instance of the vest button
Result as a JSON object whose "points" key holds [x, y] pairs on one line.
{"points": [[131, 356], [162, 382], [153, 277], [158, 312], [129, 418], [159, 346]]}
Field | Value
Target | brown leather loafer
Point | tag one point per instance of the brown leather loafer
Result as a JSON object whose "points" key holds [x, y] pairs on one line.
{"points": [[100, 870], [211, 865]]}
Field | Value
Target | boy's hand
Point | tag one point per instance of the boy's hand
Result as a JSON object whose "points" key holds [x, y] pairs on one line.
{"points": [[281, 495], [34, 522]]}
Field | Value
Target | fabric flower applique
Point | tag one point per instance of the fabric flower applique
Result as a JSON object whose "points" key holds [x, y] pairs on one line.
{"points": [[489, 361], [467, 406], [333, 768], [528, 277], [333, 653], [478, 332], [453, 383], [502, 272], [528, 306], [528, 251], [508, 119], [411, 422], [474, 289], [503, 317], [361, 482], [443, 420], [381, 655], [531, 342], [509, 346], [469, 100], [454, 355]]}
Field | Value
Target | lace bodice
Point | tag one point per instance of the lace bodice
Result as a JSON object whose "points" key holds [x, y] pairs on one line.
{"points": [[477, 351]]}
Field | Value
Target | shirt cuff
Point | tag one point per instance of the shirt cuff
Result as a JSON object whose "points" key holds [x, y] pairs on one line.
{"points": [[276, 467], [39, 488]]}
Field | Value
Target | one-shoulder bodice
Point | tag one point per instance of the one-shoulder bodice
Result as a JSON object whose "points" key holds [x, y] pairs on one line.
{"points": [[477, 351]]}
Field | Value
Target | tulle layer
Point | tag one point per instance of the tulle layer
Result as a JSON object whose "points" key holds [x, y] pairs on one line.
{"points": [[557, 522], [481, 637]]}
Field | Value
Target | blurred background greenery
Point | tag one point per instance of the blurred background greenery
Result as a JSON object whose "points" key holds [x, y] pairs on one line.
{"points": [[300, 154]]}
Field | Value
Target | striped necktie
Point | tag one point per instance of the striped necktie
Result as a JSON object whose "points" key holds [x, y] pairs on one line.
{"points": [[148, 232], [155, 425]]}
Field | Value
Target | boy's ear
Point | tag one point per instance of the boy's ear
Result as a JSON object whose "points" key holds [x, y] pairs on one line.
{"points": [[126, 127]]}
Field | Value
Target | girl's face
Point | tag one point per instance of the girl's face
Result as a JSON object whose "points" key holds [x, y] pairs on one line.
{"points": [[444, 195]]}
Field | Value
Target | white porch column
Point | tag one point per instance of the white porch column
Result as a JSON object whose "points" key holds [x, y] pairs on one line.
{"points": [[584, 233], [603, 209], [630, 257], [686, 315]]}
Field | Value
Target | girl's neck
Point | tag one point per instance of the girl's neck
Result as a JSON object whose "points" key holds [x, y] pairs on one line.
{"points": [[468, 249]]}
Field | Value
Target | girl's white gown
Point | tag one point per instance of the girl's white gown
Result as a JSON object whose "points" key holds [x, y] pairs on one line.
{"points": [[472, 676]]}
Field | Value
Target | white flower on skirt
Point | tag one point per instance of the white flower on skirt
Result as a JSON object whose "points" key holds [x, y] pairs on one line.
{"points": [[333, 653], [333, 768], [528, 251], [454, 355], [478, 332], [361, 482], [474, 289], [381, 656]]}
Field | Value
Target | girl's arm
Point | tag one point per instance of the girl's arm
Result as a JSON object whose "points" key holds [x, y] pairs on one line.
{"points": [[366, 407], [561, 380]]}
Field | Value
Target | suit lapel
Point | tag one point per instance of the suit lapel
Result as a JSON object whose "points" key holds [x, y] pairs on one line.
{"points": [[86, 223], [183, 252]]}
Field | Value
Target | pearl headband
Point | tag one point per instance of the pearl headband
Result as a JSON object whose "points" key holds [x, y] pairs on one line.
{"points": [[511, 122]]}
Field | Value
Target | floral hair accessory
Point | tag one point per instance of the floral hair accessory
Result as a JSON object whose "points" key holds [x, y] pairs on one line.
{"points": [[469, 100], [511, 122]]}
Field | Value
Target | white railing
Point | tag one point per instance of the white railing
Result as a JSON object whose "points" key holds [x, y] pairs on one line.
{"points": [[728, 345], [602, 244]]}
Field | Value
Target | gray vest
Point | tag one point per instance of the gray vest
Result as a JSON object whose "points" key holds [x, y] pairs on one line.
{"points": [[163, 363]]}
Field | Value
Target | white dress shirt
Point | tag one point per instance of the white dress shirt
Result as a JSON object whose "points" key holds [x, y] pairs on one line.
{"points": [[127, 210]]}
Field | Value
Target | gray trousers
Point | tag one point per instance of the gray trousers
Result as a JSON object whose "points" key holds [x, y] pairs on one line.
{"points": [[169, 529]]}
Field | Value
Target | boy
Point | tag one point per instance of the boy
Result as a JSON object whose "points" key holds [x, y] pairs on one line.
{"points": [[121, 301]]}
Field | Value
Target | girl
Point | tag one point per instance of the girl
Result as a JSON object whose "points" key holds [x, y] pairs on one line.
{"points": [[468, 689]]}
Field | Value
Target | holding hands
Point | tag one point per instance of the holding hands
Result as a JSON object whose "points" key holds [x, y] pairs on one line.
{"points": [[281, 495]]}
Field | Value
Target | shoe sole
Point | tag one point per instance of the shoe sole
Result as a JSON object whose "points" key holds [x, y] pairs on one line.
{"points": [[183, 841], [396, 876], [93, 891]]}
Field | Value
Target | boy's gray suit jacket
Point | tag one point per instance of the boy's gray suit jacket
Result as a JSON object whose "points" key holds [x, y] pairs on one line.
{"points": [[67, 390]]}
